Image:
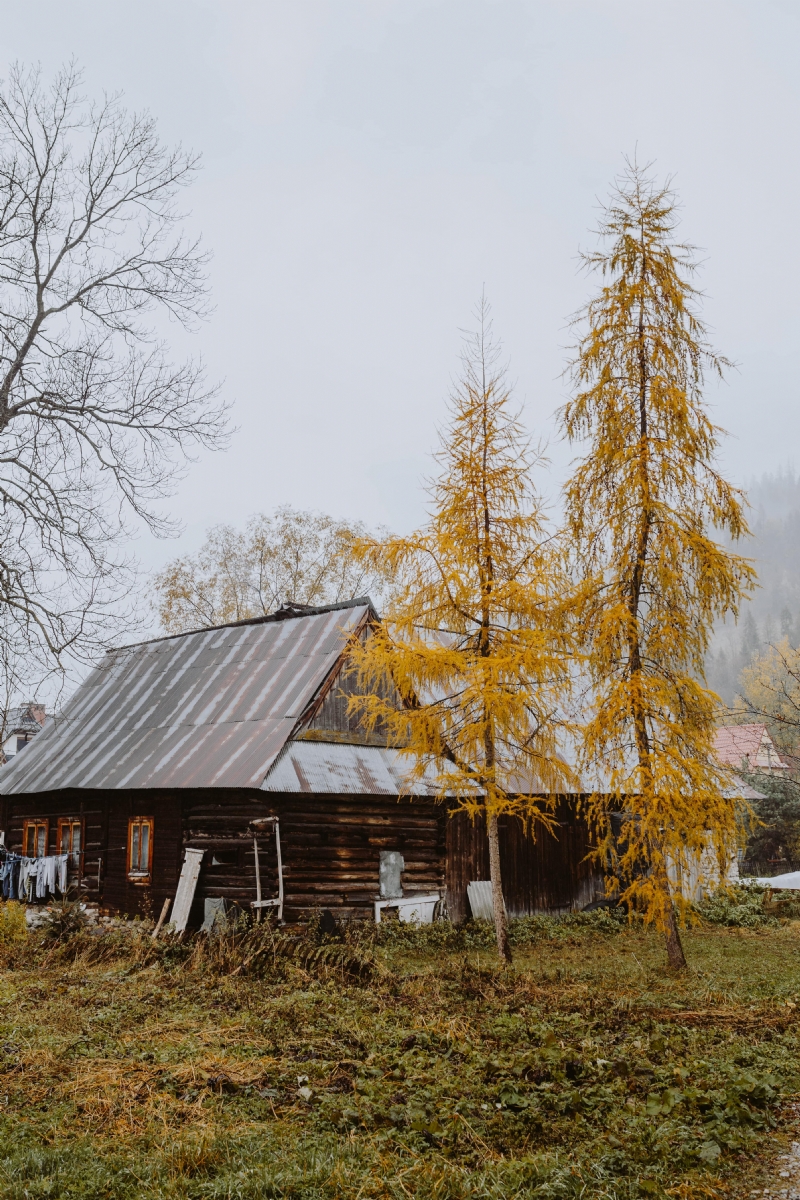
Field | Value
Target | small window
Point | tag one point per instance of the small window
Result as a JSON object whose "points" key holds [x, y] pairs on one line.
{"points": [[140, 847], [70, 839], [22, 743], [34, 838]]}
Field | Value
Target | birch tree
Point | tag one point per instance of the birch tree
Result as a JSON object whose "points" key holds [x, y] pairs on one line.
{"points": [[290, 557], [642, 508], [475, 641], [95, 419]]}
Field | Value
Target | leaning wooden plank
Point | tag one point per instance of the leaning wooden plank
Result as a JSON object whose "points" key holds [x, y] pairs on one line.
{"points": [[186, 889], [161, 919]]}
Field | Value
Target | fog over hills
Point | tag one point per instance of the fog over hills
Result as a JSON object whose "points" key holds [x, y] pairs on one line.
{"points": [[773, 612]]}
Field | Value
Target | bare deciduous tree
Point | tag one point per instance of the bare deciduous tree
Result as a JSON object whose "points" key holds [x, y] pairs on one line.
{"points": [[95, 420]]}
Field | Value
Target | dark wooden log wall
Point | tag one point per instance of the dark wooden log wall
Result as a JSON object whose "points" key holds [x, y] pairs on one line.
{"points": [[332, 844], [89, 806], [219, 823], [331, 850], [120, 894], [548, 874]]}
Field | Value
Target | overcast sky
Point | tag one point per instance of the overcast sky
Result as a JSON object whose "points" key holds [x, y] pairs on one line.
{"points": [[370, 165]]}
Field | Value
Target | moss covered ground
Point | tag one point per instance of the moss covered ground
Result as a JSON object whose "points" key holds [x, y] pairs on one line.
{"points": [[262, 1065]]}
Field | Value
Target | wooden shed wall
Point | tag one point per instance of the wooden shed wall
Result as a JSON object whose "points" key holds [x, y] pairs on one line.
{"points": [[547, 874]]}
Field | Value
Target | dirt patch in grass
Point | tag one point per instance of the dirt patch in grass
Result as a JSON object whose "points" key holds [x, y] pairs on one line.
{"points": [[414, 1066]]}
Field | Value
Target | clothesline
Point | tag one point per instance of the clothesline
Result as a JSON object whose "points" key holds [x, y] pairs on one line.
{"points": [[25, 878]]}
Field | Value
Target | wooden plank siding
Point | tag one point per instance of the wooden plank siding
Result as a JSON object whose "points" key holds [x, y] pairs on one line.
{"points": [[328, 719], [550, 873]]}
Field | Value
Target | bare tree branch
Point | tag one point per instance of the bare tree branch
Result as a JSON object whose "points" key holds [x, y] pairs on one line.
{"points": [[96, 422]]}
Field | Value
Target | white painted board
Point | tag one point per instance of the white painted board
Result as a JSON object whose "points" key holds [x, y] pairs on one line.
{"points": [[187, 884]]}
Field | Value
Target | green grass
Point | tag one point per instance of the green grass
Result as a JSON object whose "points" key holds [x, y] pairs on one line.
{"points": [[412, 1068]]}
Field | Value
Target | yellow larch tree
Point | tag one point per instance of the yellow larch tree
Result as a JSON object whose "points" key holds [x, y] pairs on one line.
{"points": [[641, 506], [475, 639], [771, 692]]}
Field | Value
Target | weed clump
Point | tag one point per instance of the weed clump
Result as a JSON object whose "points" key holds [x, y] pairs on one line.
{"points": [[13, 926], [747, 906], [480, 935], [62, 921]]}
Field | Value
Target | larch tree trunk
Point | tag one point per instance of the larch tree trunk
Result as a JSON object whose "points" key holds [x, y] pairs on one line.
{"points": [[675, 955], [498, 904]]}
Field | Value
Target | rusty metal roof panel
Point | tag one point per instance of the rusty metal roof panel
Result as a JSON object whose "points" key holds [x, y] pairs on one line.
{"points": [[335, 768], [211, 708]]}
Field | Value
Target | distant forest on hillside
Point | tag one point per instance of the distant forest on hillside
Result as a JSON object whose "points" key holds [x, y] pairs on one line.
{"points": [[773, 612]]}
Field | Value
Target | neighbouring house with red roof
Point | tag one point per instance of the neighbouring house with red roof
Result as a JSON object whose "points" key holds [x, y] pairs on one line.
{"points": [[749, 748]]}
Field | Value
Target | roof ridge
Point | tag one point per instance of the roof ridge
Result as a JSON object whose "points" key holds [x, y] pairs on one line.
{"points": [[284, 613]]}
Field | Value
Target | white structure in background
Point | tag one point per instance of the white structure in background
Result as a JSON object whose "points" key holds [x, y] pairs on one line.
{"points": [[702, 874], [21, 726]]}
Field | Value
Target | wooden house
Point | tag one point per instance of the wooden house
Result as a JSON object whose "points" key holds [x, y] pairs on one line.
{"points": [[236, 742]]}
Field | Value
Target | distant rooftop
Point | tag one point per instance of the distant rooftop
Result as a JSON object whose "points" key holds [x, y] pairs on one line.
{"points": [[750, 745]]}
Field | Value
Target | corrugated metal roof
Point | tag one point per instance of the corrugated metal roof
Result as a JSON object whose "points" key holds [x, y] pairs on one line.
{"points": [[334, 768], [206, 709]]}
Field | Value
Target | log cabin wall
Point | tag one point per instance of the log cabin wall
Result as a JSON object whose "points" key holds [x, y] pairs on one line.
{"points": [[331, 850], [218, 822], [121, 894], [330, 844], [550, 874], [88, 806], [330, 847]]}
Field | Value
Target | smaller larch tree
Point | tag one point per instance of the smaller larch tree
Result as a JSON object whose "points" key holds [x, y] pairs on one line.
{"points": [[640, 508], [475, 639]]}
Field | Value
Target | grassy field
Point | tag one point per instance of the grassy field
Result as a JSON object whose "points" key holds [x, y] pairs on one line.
{"points": [[259, 1065]]}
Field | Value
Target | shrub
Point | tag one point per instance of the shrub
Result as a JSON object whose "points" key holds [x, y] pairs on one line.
{"points": [[13, 926], [62, 921], [741, 906]]}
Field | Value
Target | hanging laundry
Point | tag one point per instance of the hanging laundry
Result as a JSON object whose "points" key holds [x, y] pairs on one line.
{"points": [[9, 876], [44, 873], [23, 878], [28, 870]]}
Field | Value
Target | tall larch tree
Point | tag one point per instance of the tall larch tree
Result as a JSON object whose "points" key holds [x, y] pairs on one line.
{"points": [[475, 640], [642, 507]]}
